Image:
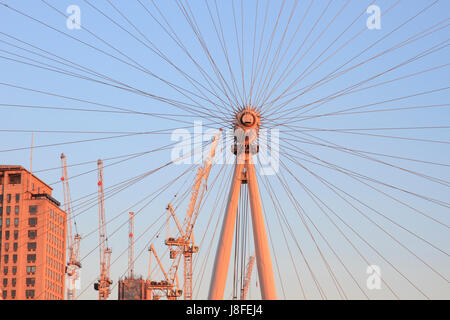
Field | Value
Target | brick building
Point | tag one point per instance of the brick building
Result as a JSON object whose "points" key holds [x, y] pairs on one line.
{"points": [[32, 238]]}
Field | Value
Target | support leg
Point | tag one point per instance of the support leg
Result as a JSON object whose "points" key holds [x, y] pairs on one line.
{"points": [[263, 259], [222, 261]]}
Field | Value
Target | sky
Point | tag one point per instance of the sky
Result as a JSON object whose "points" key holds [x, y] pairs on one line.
{"points": [[137, 48]]}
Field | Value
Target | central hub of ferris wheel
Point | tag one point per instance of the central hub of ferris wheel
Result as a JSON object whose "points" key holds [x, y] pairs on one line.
{"points": [[247, 118], [246, 128]]}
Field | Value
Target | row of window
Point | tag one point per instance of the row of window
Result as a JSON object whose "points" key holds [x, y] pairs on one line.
{"points": [[32, 234], [50, 285], [31, 269], [8, 222], [14, 178], [32, 210], [55, 241], [14, 270], [15, 246], [5, 294], [54, 264], [28, 293], [13, 282], [57, 217], [9, 197], [8, 210], [31, 247], [54, 252], [31, 258], [32, 222], [7, 233], [6, 258], [30, 282], [52, 276], [55, 229]]}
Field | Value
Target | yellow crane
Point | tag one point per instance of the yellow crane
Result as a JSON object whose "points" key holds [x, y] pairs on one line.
{"points": [[73, 242]]}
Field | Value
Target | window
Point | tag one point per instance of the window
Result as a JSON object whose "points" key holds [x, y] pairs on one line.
{"points": [[5, 282], [15, 246], [7, 246], [16, 222], [6, 258], [1, 195], [31, 258], [14, 258], [16, 209], [32, 246], [15, 178], [33, 209], [7, 222], [31, 270], [14, 270], [8, 210], [13, 293], [13, 282], [30, 282], [6, 235], [8, 198], [1, 211], [4, 294], [5, 271], [32, 222], [29, 293], [16, 234], [17, 197], [32, 234]]}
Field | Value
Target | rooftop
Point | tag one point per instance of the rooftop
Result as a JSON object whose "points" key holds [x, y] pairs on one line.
{"points": [[6, 167]]}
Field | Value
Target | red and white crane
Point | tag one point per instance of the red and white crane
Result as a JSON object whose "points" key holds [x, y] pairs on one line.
{"points": [[73, 242], [131, 246], [103, 284]]}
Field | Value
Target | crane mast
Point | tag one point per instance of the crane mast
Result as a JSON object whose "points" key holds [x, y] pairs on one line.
{"points": [[131, 247], [73, 242], [248, 276], [104, 282], [185, 243]]}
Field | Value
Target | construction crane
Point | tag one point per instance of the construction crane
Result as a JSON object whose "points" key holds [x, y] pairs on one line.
{"points": [[166, 286], [131, 246], [104, 282], [184, 244], [73, 242], [248, 276]]}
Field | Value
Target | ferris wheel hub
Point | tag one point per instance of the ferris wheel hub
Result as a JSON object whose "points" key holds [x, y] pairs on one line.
{"points": [[247, 118]]}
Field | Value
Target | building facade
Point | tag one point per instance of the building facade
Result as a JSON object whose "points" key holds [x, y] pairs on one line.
{"points": [[32, 238]]}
